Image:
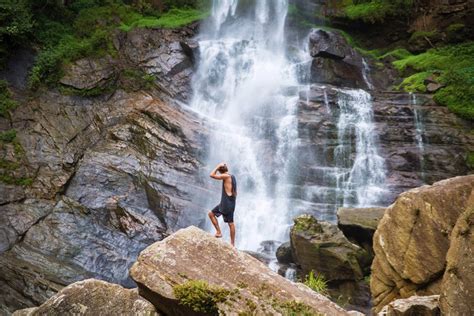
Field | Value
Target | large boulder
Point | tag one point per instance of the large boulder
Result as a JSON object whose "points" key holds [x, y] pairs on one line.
{"points": [[335, 61], [93, 297], [322, 247], [413, 238], [414, 305], [457, 289], [193, 273], [89, 73]]}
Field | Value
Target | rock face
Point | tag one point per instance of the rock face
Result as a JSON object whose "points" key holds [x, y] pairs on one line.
{"points": [[446, 142], [110, 174], [414, 305], [93, 297], [457, 286], [334, 60], [171, 273], [321, 246], [413, 238], [113, 165]]}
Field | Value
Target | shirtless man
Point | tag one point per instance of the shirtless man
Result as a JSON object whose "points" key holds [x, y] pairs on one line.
{"points": [[227, 205]]}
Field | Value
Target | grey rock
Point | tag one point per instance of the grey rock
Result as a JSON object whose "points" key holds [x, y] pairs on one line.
{"points": [[88, 73], [328, 44]]}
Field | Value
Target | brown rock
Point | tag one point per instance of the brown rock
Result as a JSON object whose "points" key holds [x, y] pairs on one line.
{"points": [[433, 87], [413, 237], [457, 288], [93, 297], [414, 305], [242, 283]]}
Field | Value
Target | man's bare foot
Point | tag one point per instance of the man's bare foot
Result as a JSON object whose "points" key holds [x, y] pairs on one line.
{"points": [[218, 235]]}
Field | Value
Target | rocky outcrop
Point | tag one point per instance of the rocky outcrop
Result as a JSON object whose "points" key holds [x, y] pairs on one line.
{"points": [[116, 167], [414, 305], [321, 246], [193, 273], [359, 224], [413, 238], [334, 60], [166, 54], [93, 297], [457, 286]]}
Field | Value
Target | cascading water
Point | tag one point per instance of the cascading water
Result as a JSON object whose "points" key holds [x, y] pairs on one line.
{"points": [[242, 82], [418, 132], [361, 184], [248, 88]]}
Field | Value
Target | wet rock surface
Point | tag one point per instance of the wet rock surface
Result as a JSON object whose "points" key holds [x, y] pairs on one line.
{"points": [[246, 284], [412, 242], [93, 297]]}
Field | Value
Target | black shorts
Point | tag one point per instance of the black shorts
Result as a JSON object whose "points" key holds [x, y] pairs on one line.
{"points": [[228, 216]]}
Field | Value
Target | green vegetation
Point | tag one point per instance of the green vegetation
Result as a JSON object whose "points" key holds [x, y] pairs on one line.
{"points": [[317, 283], [374, 11], [9, 168], [294, 308], [172, 19], [6, 102], [200, 296], [8, 136], [68, 30], [307, 224], [455, 65]]}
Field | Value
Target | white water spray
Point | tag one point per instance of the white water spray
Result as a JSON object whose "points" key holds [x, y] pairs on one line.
{"points": [[241, 79]]}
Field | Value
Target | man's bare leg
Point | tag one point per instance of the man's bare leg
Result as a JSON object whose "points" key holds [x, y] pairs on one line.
{"points": [[232, 233], [215, 223]]}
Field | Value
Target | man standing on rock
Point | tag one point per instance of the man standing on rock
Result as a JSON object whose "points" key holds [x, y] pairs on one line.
{"points": [[227, 205]]}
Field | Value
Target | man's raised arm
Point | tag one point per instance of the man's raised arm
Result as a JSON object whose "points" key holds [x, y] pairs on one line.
{"points": [[216, 176]]}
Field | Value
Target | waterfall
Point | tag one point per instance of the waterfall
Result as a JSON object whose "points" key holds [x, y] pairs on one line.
{"points": [[247, 85], [361, 182], [418, 120], [242, 84]]}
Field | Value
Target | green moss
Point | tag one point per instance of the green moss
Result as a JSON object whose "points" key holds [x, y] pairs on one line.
{"points": [[307, 224], [455, 27], [455, 64], [414, 83], [200, 296], [7, 104], [8, 136], [317, 283], [374, 11], [398, 53], [422, 35], [172, 19], [294, 308]]}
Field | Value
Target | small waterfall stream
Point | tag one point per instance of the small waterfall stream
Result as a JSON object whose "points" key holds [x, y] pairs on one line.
{"points": [[419, 128], [249, 88]]}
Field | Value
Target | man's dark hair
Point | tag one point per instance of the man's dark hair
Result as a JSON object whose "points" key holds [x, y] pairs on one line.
{"points": [[223, 169]]}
